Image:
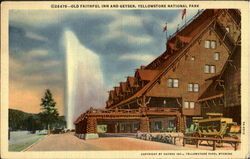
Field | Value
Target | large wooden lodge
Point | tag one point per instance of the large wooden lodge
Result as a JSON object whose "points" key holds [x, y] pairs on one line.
{"points": [[198, 73]]}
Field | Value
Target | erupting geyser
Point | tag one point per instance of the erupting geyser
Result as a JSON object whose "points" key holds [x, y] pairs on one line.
{"points": [[84, 84]]}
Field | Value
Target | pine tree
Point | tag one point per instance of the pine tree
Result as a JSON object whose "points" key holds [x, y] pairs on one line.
{"points": [[49, 115]]}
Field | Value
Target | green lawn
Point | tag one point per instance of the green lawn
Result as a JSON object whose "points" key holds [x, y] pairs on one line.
{"points": [[22, 145]]}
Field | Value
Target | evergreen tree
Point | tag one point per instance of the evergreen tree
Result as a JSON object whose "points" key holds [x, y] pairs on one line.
{"points": [[49, 115]]}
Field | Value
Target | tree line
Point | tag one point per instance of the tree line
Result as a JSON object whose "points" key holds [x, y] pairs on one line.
{"points": [[48, 118]]}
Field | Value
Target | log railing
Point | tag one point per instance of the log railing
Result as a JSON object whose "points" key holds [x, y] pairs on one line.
{"points": [[140, 110], [160, 109], [127, 112]]}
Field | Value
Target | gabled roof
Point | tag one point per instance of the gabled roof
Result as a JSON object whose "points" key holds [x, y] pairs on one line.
{"points": [[131, 81], [172, 46], [123, 86], [185, 39], [117, 90], [111, 94], [147, 75], [108, 103]]}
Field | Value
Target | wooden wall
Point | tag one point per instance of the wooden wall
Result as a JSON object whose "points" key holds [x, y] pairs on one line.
{"points": [[188, 71]]}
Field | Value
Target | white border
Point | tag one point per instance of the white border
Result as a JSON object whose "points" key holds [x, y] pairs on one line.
{"points": [[6, 6]]}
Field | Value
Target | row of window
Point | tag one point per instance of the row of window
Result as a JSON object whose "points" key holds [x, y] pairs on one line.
{"points": [[209, 69], [189, 105], [136, 126], [216, 57], [174, 83], [210, 44], [193, 87], [158, 125]]}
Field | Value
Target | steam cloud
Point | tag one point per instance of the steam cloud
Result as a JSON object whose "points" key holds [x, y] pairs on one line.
{"points": [[84, 83]]}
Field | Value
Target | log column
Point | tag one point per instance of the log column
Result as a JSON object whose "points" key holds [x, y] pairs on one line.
{"points": [[180, 125], [79, 126], [92, 125], [184, 123], [144, 124], [76, 128], [83, 126], [178, 122], [116, 127]]}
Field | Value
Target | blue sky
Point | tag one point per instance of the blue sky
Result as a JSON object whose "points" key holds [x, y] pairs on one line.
{"points": [[123, 39]]}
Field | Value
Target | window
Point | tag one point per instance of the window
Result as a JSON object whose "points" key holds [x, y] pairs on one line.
{"points": [[210, 44], [206, 70], [176, 83], [136, 126], [216, 56], [196, 87], [173, 83], [189, 105], [122, 127], [158, 125], [207, 44], [192, 58], [171, 123], [186, 104], [209, 69], [213, 44], [190, 87], [212, 69], [170, 83], [193, 87]]}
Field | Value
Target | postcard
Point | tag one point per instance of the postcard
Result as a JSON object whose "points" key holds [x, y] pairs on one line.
{"points": [[125, 79]]}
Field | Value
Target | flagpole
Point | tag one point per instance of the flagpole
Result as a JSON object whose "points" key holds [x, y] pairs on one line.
{"points": [[166, 33], [185, 18], [183, 15]]}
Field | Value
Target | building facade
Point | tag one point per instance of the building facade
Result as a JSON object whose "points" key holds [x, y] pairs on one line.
{"points": [[169, 91]]}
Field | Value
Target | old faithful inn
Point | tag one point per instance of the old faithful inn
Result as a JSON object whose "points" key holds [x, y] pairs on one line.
{"points": [[198, 73]]}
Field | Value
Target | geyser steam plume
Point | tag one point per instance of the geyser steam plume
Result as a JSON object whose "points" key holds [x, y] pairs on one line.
{"points": [[84, 83]]}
